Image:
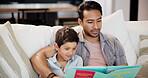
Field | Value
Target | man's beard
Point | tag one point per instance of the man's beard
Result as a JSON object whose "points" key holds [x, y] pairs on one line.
{"points": [[88, 34]]}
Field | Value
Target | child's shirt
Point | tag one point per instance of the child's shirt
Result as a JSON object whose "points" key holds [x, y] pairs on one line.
{"points": [[56, 68]]}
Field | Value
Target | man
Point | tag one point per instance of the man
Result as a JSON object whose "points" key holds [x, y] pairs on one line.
{"points": [[95, 48]]}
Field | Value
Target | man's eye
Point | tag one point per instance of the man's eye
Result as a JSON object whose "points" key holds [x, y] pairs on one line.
{"points": [[99, 20], [89, 22]]}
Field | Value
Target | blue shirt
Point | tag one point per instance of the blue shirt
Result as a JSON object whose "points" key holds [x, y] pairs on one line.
{"points": [[56, 68]]}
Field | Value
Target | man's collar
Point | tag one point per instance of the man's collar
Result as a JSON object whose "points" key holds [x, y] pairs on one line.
{"points": [[102, 37], [81, 37]]}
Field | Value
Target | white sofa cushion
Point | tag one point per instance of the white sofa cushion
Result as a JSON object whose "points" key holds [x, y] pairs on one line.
{"points": [[115, 25], [33, 38], [14, 61]]}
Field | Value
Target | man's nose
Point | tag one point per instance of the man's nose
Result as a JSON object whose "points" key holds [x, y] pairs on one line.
{"points": [[96, 25]]}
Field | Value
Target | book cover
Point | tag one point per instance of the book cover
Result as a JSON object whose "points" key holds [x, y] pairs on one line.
{"points": [[103, 72]]}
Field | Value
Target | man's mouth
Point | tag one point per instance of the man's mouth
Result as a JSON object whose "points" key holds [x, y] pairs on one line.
{"points": [[95, 31]]}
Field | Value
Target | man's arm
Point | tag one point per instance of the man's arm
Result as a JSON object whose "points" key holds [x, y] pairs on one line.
{"points": [[120, 57], [39, 62]]}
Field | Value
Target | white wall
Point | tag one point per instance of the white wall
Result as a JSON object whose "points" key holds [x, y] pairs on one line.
{"points": [[110, 6], [124, 5], [143, 10]]}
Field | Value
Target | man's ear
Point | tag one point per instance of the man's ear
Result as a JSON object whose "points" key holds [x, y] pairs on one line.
{"points": [[80, 22], [56, 46]]}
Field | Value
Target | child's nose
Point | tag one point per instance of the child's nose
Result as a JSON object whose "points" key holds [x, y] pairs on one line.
{"points": [[71, 52]]}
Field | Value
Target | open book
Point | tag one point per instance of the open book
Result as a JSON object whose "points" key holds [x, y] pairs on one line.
{"points": [[103, 72]]}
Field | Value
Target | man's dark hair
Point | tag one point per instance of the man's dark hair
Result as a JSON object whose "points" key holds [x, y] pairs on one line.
{"points": [[88, 5], [66, 34]]}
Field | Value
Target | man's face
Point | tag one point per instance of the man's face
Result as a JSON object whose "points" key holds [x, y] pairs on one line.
{"points": [[91, 23]]}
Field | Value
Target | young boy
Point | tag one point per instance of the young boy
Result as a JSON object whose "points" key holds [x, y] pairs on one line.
{"points": [[65, 45]]}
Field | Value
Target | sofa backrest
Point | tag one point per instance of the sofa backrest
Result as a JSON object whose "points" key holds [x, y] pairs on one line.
{"points": [[33, 38]]}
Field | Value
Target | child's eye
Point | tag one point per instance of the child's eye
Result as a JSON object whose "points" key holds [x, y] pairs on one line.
{"points": [[74, 48], [66, 48]]}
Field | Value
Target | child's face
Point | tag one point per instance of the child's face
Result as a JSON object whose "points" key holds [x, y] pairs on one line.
{"points": [[66, 51]]}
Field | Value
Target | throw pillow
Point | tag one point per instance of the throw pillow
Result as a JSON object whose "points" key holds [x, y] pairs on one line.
{"points": [[115, 25], [14, 61], [143, 56]]}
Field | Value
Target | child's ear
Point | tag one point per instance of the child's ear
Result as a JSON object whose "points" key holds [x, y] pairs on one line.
{"points": [[56, 46], [80, 22]]}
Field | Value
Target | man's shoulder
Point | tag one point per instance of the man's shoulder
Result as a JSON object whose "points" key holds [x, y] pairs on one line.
{"points": [[109, 37]]}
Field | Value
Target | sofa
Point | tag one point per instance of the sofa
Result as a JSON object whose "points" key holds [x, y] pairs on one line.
{"points": [[18, 42]]}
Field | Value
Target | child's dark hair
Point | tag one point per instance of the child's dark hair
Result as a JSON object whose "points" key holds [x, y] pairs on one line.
{"points": [[66, 34]]}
